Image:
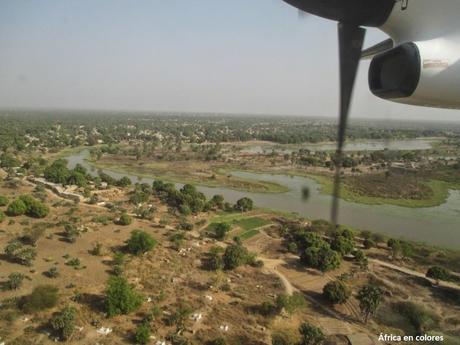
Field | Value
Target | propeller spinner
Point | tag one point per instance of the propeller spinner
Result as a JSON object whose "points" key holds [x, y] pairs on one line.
{"points": [[351, 15]]}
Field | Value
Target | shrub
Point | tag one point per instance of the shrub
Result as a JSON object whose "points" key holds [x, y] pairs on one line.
{"points": [[438, 273], [71, 232], [368, 243], [64, 322], [342, 244], [16, 251], [15, 280], [16, 208], [217, 341], [2, 216], [235, 255], [220, 230], [293, 248], [336, 292], [290, 303], [3, 200], [35, 208], [142, 334], [42, 297], [120, 297], [310, 335], [125, 219], [421, 318], [140, 242], [32, 236], [52, 272], [97, 249]]}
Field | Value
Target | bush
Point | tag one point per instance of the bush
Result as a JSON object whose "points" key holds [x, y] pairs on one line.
{"points": [[220, 230], [140, 242], [42, 297], [342, 244], [438, 273], [3, 200], [336, 292], [64, 322], [125, 219], [142, 335], [35, 208], [368, 243], [52, 272], [235, 255], [310, 335], [290, 303], [17, 252], [2, 216], [16, 208], [71, 232], [421, 318], [15, 280], [120, 297], [32, 236]]}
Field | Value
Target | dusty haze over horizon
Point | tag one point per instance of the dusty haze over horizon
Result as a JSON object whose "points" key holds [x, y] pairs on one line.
{"points": [[197, 56]]}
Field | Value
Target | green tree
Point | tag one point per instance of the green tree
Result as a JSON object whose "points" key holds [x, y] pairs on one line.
{"points": [[321, 257], [244, 204], [235, 255], [310, 335], [16, 208], [57, 172], [218, 201], [369, 297], [221, 229], [120, 297], [342, 245], [42, 297], [140, 242], [63, 322], [336, 292], [124, 182]]}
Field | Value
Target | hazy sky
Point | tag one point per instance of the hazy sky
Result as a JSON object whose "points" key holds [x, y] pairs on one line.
{"points": [[239, 56]]}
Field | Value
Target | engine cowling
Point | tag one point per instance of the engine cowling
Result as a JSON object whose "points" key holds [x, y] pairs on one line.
{"points": [[420, 73]]}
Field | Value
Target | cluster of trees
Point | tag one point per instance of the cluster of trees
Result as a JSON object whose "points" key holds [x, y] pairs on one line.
{"points": [[322, 246], [27, 205], [233, 256], [188, 199], [58, 172]]}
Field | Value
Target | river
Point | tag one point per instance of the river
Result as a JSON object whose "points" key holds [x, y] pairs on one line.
{"points": [[438, 225]]}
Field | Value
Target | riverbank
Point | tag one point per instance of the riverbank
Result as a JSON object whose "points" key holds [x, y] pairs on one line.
{"points": [[221, 175], [191, 172]]}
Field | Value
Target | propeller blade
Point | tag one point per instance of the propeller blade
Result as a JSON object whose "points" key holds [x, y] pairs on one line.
{"points": [[351, 39], [301, 14]]}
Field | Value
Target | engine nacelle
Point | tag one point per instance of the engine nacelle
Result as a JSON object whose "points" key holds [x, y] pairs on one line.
{"points": [[420, 73]]}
